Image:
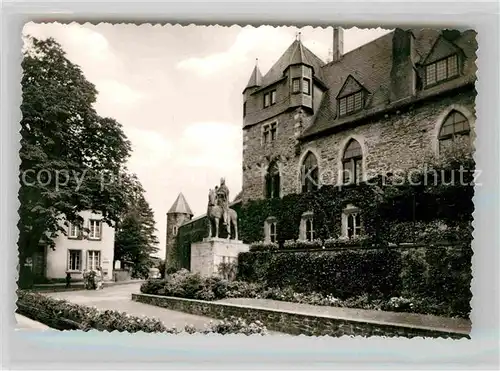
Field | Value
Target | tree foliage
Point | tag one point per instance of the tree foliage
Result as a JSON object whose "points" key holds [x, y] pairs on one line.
{"points": [[136, 239], [72, 159]]}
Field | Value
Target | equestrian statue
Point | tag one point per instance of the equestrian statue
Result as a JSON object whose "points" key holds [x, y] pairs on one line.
{"points": [[218, 209]]}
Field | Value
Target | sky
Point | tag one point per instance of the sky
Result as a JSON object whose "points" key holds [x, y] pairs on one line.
{"points": [[177, 91]]}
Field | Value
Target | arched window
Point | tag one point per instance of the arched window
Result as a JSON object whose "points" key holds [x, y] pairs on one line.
{"points": [[273, 181], [309, 173], [352, 162], [455, 126]]}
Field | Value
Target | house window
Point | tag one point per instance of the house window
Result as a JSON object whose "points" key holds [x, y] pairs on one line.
{"points": [[351, 103], [269, 133], [244, 109], [266, 100], [272, 232], [296, 85], [273, 97], [309, 173], [353, 225], [352, 162], [74, 260], [455, 127], [273, 181], [309, 229], [269, 98], [95, 230], [94, 260], [73, 231], [441, 70], [306, 86]]}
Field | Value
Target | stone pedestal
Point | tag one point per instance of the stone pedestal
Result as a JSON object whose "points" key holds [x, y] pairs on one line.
{"points": [[209, 253]]}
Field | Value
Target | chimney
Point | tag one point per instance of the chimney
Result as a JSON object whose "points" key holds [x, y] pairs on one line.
{"points": [[338, 44], [403, 75]]}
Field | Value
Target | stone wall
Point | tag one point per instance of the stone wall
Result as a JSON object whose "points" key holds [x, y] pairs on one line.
{"points": [[390, 142], [290, 322]]}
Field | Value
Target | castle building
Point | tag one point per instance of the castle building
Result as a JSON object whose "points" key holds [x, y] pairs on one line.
{"points": [[378, 109], [178, 214]]}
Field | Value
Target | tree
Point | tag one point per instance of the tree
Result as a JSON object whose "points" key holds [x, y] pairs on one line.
{"points": [[135, 239], [68, 152]]}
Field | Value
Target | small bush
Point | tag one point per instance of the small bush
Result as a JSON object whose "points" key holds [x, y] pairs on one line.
{"points": [[263, 246]]}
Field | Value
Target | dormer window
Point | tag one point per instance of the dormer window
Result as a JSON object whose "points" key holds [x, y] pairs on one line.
{"points": [[296, 85], [441, 70], [351, 103], [269, 98]]}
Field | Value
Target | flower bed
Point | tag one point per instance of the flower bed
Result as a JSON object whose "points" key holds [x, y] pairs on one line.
{"points": [[184, 284], [63, 315]]}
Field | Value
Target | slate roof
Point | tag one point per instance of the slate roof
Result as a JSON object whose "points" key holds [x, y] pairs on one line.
{"points": [[255, 79], [371, 66], [180, 206], [295, 54]]}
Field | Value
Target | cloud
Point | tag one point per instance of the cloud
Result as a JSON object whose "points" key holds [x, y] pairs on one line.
{"points": [[249, 39], [112, 92], [150, 149], [212, 145]]}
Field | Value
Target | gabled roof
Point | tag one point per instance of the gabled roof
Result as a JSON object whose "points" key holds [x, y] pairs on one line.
{"points": [[371, 65], [180, 206], [255, 79], [351, 85], [442, 48], [296, 53]]}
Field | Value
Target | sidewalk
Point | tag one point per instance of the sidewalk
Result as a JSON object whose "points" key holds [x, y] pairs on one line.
{"points": [[25, 323], [80, 285], [414, 320]]}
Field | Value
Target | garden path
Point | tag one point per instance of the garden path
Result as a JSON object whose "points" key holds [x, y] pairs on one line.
{"points": [[119, 298]]}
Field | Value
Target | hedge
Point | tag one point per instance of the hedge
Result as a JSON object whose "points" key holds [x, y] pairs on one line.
{"points": [[440, 274], [62, 315]]}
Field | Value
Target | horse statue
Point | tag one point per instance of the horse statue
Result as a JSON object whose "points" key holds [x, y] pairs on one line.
{"points": [[215, 213]]}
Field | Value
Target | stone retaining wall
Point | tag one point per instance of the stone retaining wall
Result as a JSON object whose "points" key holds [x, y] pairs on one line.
{"points": [[291, 322]]}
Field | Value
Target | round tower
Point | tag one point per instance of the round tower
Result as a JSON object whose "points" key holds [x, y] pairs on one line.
{"points": [[178, 214]]}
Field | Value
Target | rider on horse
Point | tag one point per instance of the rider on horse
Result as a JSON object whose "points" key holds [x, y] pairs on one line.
{"points": [[223, 197]]}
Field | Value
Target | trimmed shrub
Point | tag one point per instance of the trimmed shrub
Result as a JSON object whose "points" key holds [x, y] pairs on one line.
{"points": [[73, 316], [436, 278]]}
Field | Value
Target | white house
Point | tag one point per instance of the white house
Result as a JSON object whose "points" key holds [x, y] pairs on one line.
{"points": [[80, 251]]}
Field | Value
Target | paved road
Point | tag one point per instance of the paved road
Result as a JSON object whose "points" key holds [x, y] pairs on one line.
{"points": [[119, 298]]}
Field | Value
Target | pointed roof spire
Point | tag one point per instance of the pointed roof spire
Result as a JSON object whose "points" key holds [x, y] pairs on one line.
{"points": [[180, 206], [256, 77]]}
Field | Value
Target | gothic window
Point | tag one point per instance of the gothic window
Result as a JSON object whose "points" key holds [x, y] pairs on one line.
{"points": [[441, 70], [271, 230], [352, 162], [455, 126], [351, 222], [351, 103], [309, 173], [273, 181]]}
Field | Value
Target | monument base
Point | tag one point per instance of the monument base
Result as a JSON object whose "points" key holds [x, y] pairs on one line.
{"points": [[209, 253]]}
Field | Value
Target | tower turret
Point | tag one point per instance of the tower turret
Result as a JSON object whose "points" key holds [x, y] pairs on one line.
{"points": [[178, 214]]}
